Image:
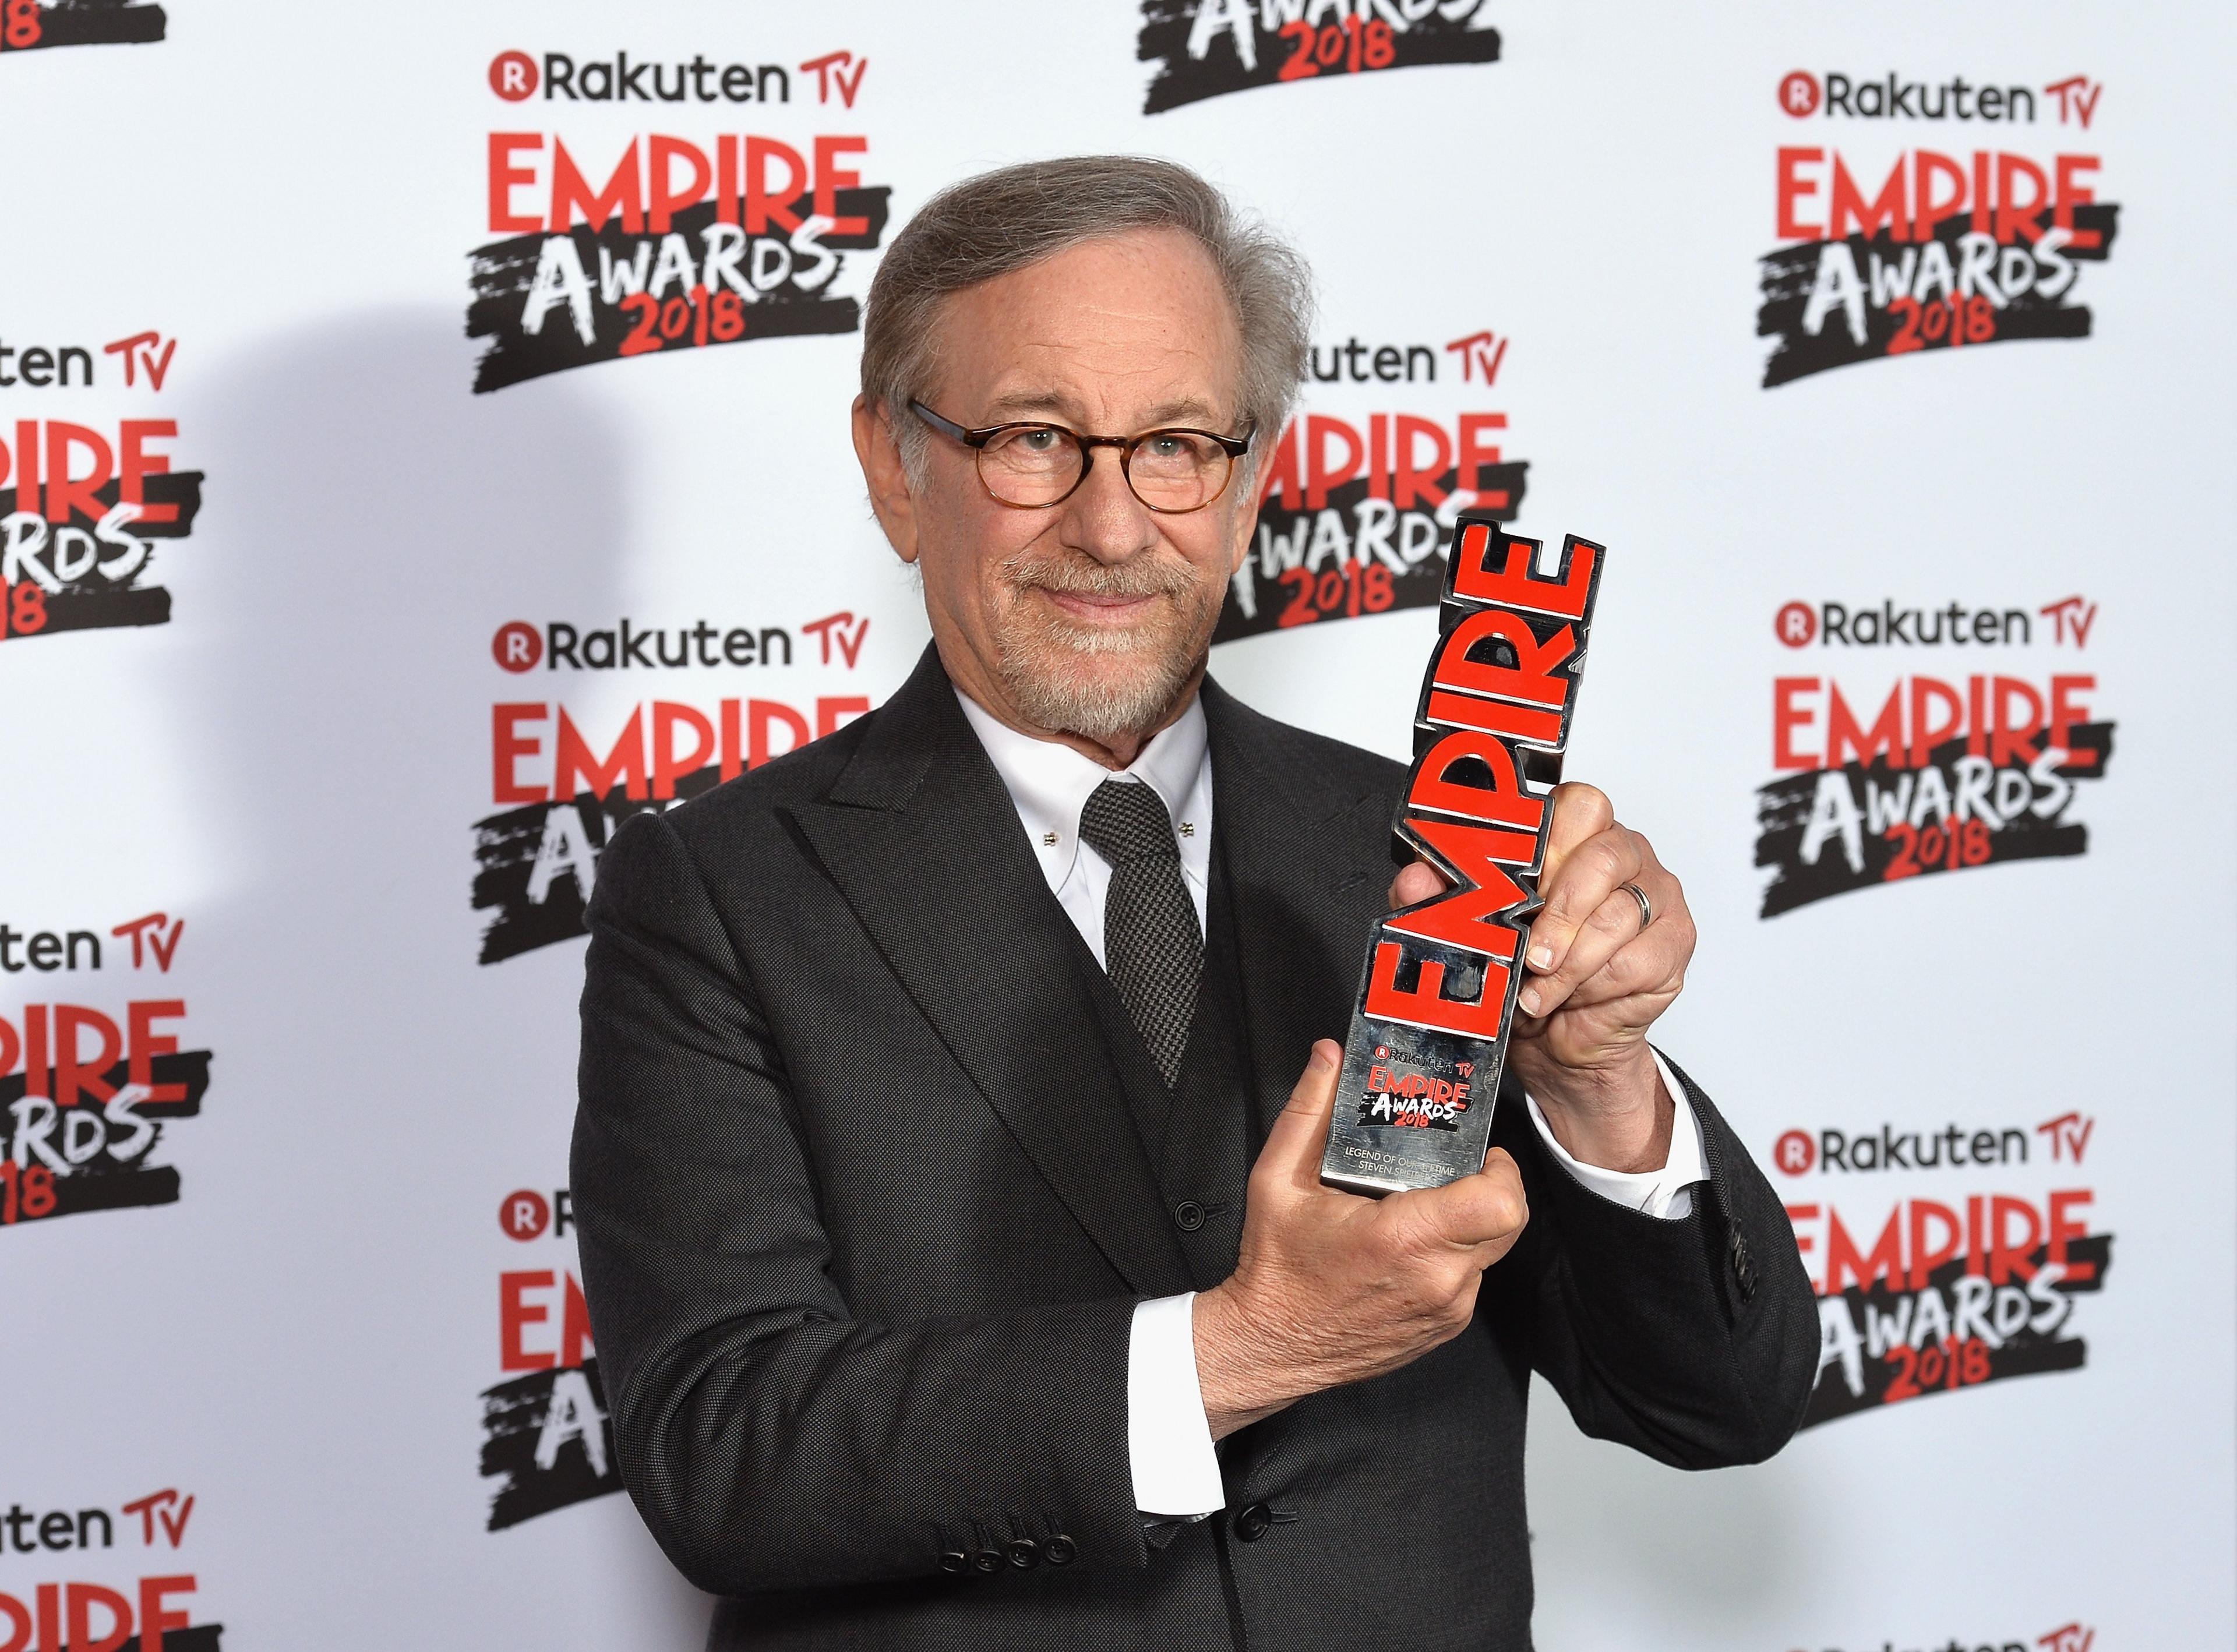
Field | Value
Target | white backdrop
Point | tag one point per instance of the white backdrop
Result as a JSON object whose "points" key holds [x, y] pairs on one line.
{"points": [[300, 1303]]}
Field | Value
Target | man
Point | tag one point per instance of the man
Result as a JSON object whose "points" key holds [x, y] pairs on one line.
{"points": [[939, 1300]]}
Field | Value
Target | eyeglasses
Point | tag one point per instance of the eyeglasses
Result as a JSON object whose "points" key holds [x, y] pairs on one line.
{"points": [[1032, 466]]}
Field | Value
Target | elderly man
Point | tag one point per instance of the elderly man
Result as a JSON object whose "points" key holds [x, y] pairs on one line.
{"points": [[939, 1297]]}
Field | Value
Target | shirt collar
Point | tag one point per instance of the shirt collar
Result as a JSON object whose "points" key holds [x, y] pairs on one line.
{"points": [[1049, 785]]}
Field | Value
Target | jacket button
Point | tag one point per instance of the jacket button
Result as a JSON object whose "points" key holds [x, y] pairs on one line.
{"points": [[986, 1562], [1059, 1550], [954, 1561], [1025, 1554], [1252, 1522], [1188, 1215]]}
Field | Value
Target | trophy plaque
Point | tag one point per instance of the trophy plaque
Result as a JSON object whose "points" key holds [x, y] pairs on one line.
{"points": [[1430, 1027]]}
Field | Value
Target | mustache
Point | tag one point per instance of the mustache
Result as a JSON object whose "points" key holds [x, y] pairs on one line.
{"points": [[1082, 575]]}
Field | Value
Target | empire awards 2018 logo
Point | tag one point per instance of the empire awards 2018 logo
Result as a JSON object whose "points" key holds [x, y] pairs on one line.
{"points": [[25, 25], [1938, 771], [1927, 250], [87, 1090], [663, 243], [1205, 48], [1355, 513], [82, 511]]}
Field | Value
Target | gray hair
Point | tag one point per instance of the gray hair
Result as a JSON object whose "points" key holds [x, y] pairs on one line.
{"points": [[1003, 220]]}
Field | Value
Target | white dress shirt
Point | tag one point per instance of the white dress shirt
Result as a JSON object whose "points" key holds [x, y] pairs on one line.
{"points": [[1176, 1469]]}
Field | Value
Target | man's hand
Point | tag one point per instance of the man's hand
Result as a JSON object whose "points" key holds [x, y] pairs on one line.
{"points": [[1332, 1287], [1598, 979]]}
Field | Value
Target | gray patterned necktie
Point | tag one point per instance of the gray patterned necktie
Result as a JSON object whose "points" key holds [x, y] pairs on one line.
{"points": [[1152, 947]]}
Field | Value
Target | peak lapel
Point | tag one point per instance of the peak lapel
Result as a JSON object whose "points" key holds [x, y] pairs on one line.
{"points": [[922, 840]]}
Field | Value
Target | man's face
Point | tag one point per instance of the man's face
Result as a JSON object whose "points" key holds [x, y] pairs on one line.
{"points": [[1092, 616]]}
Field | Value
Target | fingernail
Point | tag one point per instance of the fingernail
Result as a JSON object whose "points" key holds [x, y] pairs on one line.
{"points": [[1542, 956], [1528, 999], [1324, 1057]]}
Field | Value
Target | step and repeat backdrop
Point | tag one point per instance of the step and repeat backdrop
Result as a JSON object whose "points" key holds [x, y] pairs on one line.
{"points": [[423, 444]]}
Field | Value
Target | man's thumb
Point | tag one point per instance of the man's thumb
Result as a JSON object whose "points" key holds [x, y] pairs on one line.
{"points": [[1294, 1147]]}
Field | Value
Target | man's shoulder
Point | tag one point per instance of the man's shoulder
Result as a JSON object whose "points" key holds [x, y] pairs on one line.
{"points": [[1309, 762], [757, 796]]}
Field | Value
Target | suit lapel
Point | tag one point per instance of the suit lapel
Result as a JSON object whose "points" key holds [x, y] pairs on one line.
{"points": [[1303, 892], [922, 840]]}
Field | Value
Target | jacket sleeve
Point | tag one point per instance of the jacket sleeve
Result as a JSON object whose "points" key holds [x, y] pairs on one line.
{"points": [[770, 1438], [1692, 1339]]}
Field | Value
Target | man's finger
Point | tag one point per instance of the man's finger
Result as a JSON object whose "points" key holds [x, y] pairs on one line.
{"points": [[1616, 925], [1486, 1208], [1419, 882], [1294, 1147], [1575, 892]]}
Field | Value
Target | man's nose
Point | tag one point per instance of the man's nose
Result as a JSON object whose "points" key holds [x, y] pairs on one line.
{"points": [[1104, 518]]}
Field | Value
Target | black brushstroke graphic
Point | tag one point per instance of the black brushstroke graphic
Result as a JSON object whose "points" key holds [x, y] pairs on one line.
{"points": [[505, 272], [202, 1637], [1789, 275], [90, 23], [102, 1182], [506, 846], [540, 1476], [2025, 1352], [1784, 810], [91, 600], [1282, 545], [1181, 78]]}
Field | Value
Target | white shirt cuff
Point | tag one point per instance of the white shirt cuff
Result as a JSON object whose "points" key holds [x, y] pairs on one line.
{"points": [[1666, 1193], [1168, 1441]]}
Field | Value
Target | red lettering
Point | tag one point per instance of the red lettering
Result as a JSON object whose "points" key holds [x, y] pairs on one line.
{"points": [[1531, 677], [624, 193], [1476, 453], [135, 464], [829, 181], [1925, 1258], [1886, 210], [1503, 803], [74, 1073], [1425, 1005], [2062, 1231], [2064, 714], [1410, 481], [144, 1044], [577, 770], [2004, 1257], [1883, 739], [2008, 741], [1320, 476], [764, 204], [65, 493], [1842, 1256], [515, 1312], [504, 178], [663, 152], [1786, 717], [668, 768], [1793, 188], [508, 747], [1513, 585]]}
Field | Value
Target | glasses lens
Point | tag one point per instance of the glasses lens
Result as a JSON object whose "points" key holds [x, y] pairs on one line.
{"points": [[1029, 464], [1178, 469]]}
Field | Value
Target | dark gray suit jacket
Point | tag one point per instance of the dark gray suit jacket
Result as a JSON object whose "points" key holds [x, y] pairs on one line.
{"points": [[864, 1217]]}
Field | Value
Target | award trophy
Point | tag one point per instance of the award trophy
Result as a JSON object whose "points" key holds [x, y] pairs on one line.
{"points": [[1437, 997]]}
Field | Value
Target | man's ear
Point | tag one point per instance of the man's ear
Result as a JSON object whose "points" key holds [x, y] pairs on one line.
{"points": [[885, 477]]}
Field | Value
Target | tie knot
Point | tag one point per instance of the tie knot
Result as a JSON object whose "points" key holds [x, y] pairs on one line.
{"points": [[1126, 821]]}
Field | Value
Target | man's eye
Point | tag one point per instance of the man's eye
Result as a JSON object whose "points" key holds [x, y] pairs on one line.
{"points": [[1038, 441]]}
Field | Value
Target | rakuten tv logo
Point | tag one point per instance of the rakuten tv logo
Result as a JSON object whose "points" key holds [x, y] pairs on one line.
{"points": [[2064, 1140], [1893, 97], [1883, 625], [516, 77]]}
